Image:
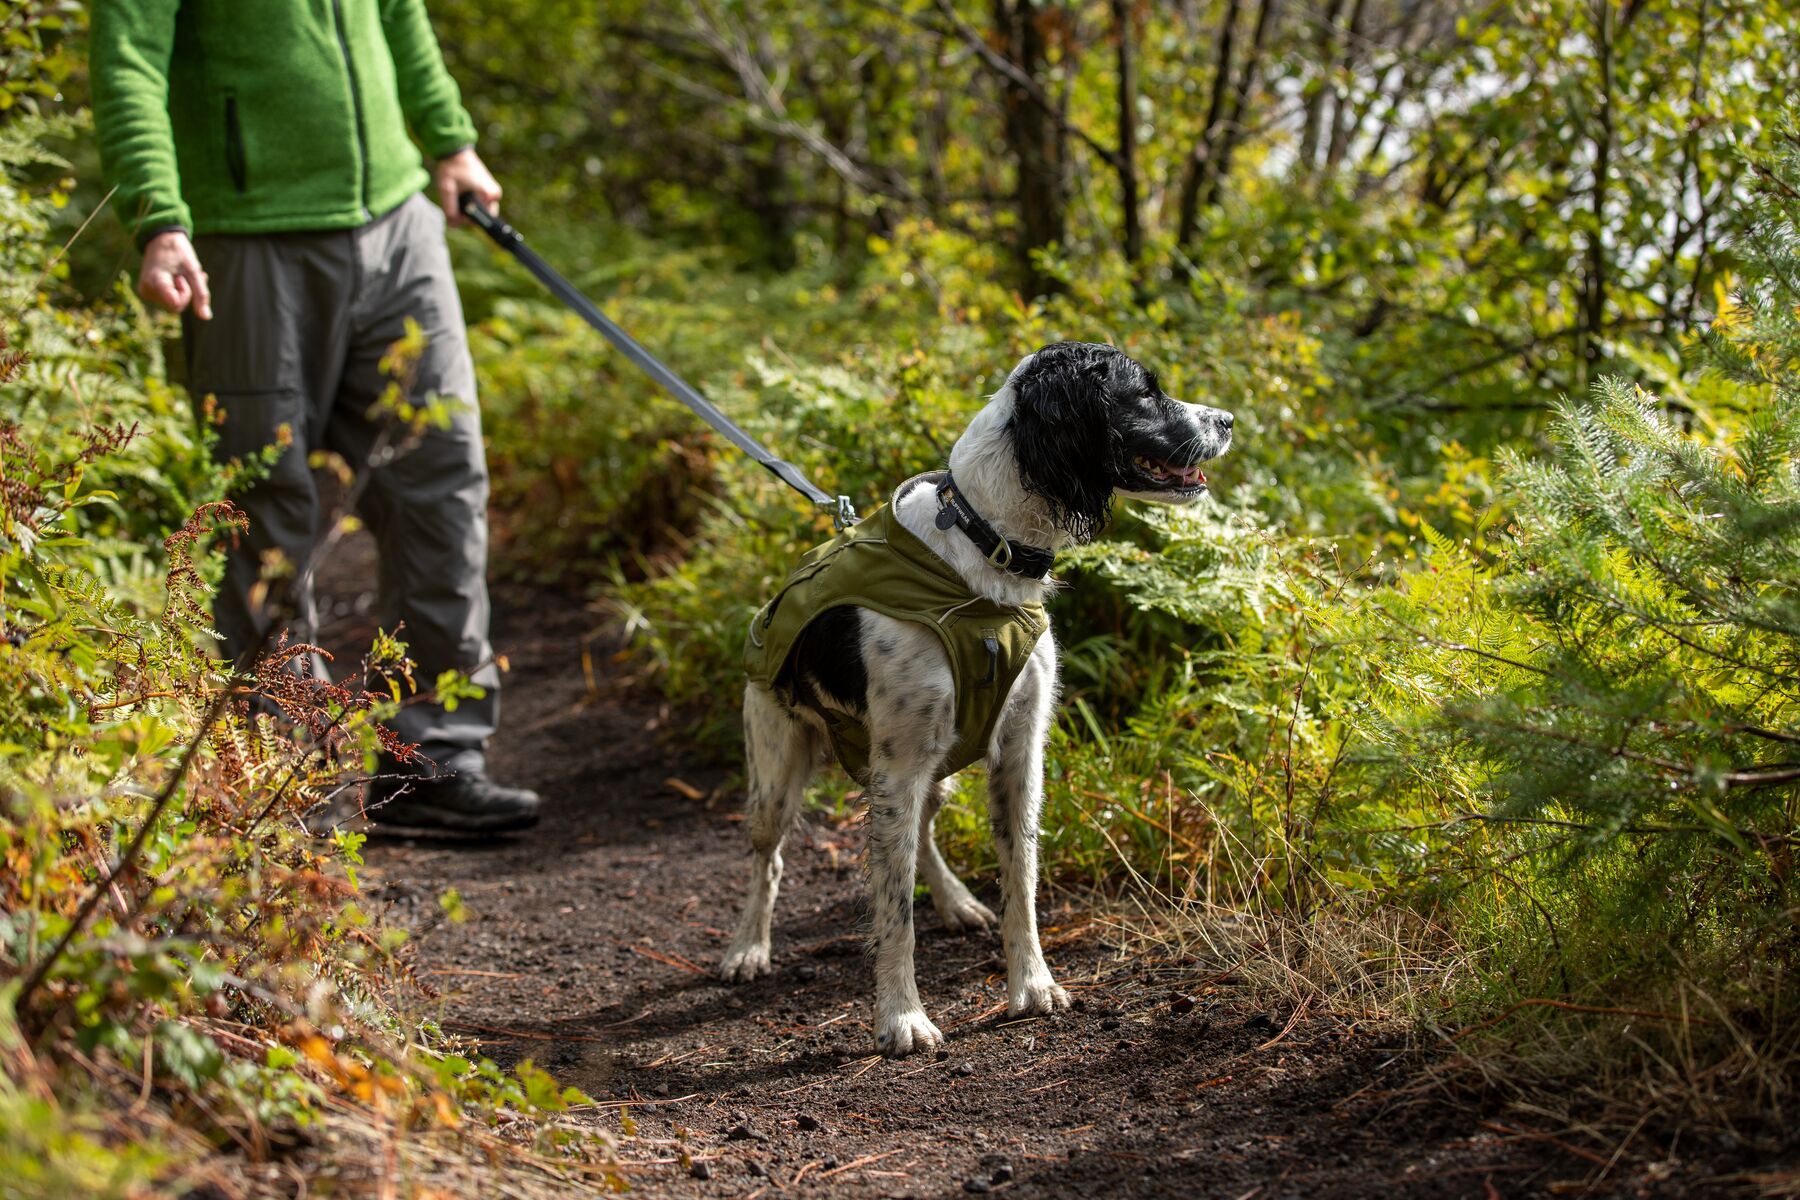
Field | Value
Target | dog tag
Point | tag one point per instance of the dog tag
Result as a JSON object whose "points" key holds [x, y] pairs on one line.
{"points": [[946, 517]]}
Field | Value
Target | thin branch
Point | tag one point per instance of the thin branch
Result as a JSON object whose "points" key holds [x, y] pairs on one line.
{"points": [[1020, 78], [128, 860], [769, 115], [1635, 830]]}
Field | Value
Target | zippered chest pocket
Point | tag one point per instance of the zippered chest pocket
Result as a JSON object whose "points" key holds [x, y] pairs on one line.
{"points": [[990, 643], [235, 160]]}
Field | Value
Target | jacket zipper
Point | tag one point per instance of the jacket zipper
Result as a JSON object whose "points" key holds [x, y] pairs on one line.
{"points": [[356, 108], [234, 147]]}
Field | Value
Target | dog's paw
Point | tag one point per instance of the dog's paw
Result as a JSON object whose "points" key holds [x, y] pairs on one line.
{"points": [[906, 1033], [966, 914], [744, 963], [1036, 996]]}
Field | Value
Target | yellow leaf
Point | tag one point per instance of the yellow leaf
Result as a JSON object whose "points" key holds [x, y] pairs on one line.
{"points": [[318, 1052], [1722, 299], [444, 1111]]}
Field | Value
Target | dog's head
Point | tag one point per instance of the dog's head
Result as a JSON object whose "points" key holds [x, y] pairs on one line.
{"points": [[1089, 423]]}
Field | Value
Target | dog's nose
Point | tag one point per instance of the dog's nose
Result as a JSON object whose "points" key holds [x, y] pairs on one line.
{"points": [[1226, 419]]}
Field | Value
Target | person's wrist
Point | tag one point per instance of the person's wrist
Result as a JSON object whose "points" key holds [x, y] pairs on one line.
{"points": [[165, 239]]}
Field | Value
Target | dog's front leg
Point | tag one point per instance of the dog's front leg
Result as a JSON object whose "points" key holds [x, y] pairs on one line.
{"points": [[912, 723], [896, 798], [1015, 805]]}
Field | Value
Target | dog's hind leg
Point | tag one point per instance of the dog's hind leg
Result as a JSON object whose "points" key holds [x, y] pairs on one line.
{"points": [[1015, 803], [781, 751], [957, 908]]}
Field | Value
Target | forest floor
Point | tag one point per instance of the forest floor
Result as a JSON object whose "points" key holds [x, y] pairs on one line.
{"points": [[590, 948]]}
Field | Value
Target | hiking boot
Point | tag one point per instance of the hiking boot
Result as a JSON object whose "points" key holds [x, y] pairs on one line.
{"points": [[466, 802]]}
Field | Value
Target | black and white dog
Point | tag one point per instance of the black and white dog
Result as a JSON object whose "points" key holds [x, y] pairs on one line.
{"points": [[1074, 426]]}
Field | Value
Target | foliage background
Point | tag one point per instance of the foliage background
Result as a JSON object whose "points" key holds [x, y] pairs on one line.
{"points": [[1486, 634], [1456, 268]]}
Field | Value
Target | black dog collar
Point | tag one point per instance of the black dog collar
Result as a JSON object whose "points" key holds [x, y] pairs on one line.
{"points": [[1033, 562]]}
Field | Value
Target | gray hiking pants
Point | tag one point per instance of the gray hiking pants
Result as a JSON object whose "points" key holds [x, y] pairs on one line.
{"points": [[300, 324]]}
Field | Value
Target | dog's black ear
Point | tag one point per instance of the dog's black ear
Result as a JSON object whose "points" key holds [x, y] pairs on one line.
{"points": [[1065, 444]]}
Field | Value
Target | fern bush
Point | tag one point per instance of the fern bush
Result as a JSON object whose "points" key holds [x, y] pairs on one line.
{"points": [[1627, 657], [1185, 633], [1609, 687]]}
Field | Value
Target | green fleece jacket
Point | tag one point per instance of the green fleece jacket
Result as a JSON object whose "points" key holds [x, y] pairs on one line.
{"points": [[261, 116]]}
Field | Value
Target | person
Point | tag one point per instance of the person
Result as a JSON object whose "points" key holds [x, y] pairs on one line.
{"points": [[263, 155]]}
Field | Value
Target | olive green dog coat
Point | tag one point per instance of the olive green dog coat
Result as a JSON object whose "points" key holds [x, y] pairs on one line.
{"points": [[880, 565]]}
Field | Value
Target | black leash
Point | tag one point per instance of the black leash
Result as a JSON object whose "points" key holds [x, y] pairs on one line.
{"points": [[843, 513]]}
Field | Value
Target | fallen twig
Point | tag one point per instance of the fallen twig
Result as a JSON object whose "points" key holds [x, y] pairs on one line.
{"points": [[1533, 1135], [1292, 1021], [672, 960], [864, 1161], [471, 971]]}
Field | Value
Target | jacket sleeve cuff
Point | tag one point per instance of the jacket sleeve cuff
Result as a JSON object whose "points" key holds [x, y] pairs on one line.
{"points": [[153, 216], [150, 232], [443, 137]]}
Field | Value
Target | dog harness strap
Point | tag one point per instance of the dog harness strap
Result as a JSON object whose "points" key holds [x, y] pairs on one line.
{"points": [[1032, 562]]}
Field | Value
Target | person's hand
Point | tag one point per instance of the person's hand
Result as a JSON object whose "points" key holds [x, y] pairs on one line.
{"points": [[171, 276], [465, 172]]}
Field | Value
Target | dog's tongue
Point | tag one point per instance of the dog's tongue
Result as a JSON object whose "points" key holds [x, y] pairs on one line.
{"points": [[1191, 476]]}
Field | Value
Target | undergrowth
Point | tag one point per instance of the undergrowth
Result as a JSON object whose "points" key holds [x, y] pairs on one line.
{"points": [[195, 998], [1436, 736], [1494, 737]]}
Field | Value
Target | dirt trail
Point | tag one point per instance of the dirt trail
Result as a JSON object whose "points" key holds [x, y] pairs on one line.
{"points": [[590, 950]]}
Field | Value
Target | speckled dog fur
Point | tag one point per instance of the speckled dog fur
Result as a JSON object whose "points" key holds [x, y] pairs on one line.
{"points": [[1074, 426]]}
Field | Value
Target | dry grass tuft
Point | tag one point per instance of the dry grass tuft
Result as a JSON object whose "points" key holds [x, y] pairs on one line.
{"points": [[1603, 1076]]}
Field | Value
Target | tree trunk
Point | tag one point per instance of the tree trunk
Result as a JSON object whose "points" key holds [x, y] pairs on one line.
{"points": [[1218, 169], [1593, 289], [1035, 140], [1343, 114], [1132, 230], [1325, 50], [1390, 97], [1210, 128], [769, 201]]}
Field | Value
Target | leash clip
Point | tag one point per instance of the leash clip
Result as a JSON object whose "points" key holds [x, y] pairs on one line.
{"points": [[843, 513]]}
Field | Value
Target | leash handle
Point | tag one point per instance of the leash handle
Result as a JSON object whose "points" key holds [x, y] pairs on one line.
{"points": [[490, 223], [843, 513]]}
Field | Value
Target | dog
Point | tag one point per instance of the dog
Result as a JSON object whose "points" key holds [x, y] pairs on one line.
{"points": [[1075, 426]]}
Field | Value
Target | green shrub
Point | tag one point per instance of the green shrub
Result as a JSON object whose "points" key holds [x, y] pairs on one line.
{"points": [[1611, 685], [183, 967]]}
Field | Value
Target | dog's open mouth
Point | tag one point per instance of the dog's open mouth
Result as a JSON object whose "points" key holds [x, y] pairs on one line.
{"points": [[1168, 476]]}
